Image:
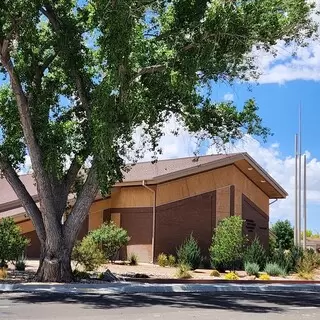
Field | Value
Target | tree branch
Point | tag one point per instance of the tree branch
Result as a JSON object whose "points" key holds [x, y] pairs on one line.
{"points": [[44, 191], [27, 201], [48, 11], [151, 69], [81, 208], [72, 174]]}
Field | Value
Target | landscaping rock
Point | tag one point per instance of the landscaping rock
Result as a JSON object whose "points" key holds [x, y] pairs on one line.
{"points": [[241, 274], [109, 276]]}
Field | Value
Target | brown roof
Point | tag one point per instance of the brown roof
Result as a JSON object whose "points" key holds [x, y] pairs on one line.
{"points": [[152, 173], [148, 170]]}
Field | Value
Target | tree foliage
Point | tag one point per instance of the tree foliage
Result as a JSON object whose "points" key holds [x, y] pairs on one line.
{"points": [[79, 78], [284, 233], [12, 243], [255, 253], [189, 253], [111, 238], [228, 244], [88, 254]]}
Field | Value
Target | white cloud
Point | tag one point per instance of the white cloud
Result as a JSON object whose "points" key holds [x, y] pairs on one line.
{"points": [[26, 167], [173, 146], [305, 65], [282, 170], [228, 97]]}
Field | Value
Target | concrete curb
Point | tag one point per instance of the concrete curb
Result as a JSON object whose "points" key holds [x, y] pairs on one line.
{"points": [[131, 288]]}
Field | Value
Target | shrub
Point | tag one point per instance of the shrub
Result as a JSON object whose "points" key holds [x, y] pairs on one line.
{"points": [[215, 273], [255, 253], [3, 273], [189, 253], [183, 272], [80, 275], [162, 260], [308, 263], [171, 260], [205, 263], [111, 238], [228, 243], [252, 269], [20, 265], [287, 259], [264, 277], [274, 270], [133, 259], [88, 254], [306, 275], [284, 233], [231, 276], [12, 243]]}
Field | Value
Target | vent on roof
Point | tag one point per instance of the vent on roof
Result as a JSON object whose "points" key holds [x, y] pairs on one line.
{"points": [[195, 159]]}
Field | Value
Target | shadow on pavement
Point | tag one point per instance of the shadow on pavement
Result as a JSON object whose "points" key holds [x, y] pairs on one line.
{"points": [[244, 302]]}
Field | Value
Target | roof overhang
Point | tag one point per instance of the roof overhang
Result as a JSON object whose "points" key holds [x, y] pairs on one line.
{"points": [[245, 163]]}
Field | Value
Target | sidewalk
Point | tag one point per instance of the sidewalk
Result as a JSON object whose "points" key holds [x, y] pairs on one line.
{"points": [[131, 288]]}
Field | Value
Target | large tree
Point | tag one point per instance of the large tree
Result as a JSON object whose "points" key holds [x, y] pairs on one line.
{"points": [[80, 76]]}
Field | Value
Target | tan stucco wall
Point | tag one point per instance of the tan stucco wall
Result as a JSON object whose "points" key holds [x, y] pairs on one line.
{"points": [[130, 197], [218, 179]]}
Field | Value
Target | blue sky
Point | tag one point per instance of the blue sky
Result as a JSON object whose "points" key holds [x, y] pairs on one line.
{"points": [[285, 82], [279, 105]]}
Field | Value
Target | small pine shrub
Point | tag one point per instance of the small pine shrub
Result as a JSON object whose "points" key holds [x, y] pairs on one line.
{"points": [[189, 253], [264, 277], [274, 270], [133, 259], [252, 269], [87, 254], [255, 253], [183, 272], [3, 273], [231, 276], [20, 265], [162, 260], [215, 273], [171, 260]]}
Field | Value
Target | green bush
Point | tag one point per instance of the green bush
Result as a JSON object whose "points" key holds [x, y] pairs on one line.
{"points": [[80, 275], [12, 243], [171, 260], [20, 265], [162, 260], [228, 244], [183, 272], [255, 253], [231, 276], [133, 259], [189, 253], [88, 254], [284, 233], [252, 269], [274, 270], [287, 259], [111, 238]]}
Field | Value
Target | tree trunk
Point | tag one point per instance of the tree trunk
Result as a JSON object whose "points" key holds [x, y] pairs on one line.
{"points": [[55, 262]]}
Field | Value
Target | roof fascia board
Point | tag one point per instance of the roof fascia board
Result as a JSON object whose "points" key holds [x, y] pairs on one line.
{"points": [[265, 175]]}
